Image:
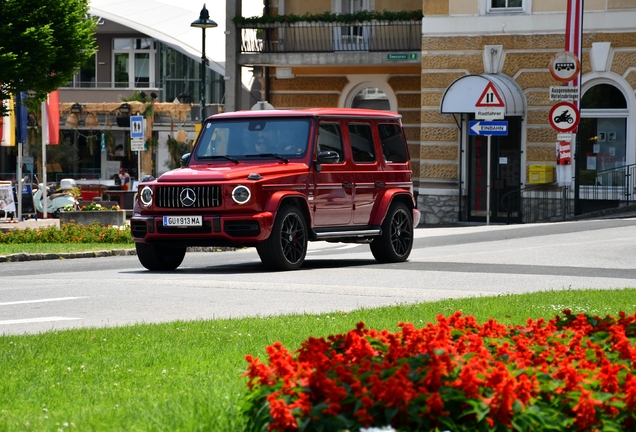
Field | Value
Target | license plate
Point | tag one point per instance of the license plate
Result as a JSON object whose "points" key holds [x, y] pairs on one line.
{"points": [[182, 221]]}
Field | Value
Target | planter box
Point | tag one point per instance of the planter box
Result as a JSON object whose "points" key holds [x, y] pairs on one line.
{"points": [[105, 217]]}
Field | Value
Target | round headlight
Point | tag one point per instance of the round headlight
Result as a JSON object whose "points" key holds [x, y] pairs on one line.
{"points": [[146, 196], [241, 194]]}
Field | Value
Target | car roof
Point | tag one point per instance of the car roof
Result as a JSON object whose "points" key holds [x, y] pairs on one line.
{"points": [[313, 112]]}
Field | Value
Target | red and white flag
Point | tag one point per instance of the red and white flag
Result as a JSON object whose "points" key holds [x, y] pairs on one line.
{"points": [[51, 119]]}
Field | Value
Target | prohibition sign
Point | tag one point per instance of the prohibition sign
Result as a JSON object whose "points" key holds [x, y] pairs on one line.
{"points": [[564, 117], [565, 66]]}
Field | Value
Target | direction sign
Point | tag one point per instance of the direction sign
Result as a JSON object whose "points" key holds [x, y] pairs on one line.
{"points": [[490, 97], [494, 128], [565, 66], [136, 127], [564, 117]]}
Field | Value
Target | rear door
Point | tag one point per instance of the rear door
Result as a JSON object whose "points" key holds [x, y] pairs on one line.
{"points": [[333, 184]]}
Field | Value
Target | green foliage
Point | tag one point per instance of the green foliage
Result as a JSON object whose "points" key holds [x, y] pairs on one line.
{"points": [[176, 149], [360, 16], [68, 233], [42, 44]]}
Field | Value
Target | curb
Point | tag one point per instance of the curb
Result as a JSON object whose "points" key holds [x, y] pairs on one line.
{"points": [[94, 254], [51, 256]]}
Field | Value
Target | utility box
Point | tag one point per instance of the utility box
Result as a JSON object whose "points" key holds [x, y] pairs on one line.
{"points": [[539, 174]]}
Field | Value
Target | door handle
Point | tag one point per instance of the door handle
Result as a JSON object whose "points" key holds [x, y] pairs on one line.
{"points": [[346, 185], [379, 184]]}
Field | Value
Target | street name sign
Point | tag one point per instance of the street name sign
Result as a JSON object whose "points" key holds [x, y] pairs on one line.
{"points": [[490, 128]]}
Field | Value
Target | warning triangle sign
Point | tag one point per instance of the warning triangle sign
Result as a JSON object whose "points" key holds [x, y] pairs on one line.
{"points": [[490, 97]]}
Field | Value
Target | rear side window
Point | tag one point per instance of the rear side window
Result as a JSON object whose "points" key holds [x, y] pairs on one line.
{"points": [[330, 139], [361, 139], [393, 146]]}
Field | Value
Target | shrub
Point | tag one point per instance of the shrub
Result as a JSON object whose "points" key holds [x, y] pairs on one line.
{"points": [[569, 373], [69, 233]]}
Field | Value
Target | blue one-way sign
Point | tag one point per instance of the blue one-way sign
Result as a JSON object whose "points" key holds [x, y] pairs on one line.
{"points": [[496, 128]]}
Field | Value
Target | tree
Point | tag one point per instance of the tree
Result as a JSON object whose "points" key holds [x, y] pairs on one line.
{"points": [[42, 45]]}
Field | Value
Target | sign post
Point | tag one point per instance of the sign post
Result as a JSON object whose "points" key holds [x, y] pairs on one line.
{"points": [[489, 106], [137, 139]]}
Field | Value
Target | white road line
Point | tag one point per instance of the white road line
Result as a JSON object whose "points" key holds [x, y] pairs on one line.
{"points": [[40, 300], [37, 320]]}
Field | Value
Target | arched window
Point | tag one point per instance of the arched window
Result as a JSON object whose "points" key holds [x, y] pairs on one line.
{"points": [[602, 131], [371, 98]]}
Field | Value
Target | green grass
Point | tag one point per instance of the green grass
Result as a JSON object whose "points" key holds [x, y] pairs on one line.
{"points": [[32, 248], [186, 376]]}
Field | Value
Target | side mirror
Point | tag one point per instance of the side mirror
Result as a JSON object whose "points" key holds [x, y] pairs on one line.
{"points": [[328, 157], [185, 159]]}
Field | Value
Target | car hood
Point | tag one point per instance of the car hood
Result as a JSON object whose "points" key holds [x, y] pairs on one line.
{"points": [[203, 173]]}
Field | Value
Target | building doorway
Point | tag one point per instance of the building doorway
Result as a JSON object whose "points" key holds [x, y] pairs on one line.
{"points": [[505, 175]]}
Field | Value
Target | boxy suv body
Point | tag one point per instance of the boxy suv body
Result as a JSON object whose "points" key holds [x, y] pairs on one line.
{"points": [[276, 180]]}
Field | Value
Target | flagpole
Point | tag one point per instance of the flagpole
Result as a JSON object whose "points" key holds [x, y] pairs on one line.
{"points": [[45, 133]]}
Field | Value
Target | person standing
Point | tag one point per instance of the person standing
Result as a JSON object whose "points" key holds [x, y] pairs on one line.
{"points": [[125, 179]]}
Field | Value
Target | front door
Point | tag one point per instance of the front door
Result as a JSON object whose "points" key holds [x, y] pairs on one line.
{"points": [[505, 175]]}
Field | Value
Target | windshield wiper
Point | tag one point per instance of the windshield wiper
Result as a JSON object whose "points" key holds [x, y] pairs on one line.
{"points": [[274, 155], [219, 157]]}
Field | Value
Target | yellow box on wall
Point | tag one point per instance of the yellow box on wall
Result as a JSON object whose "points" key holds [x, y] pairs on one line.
{"points": [[541, 174]]}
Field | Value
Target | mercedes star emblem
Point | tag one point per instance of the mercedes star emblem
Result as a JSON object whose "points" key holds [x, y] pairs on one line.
{"points": [[187, 197]]}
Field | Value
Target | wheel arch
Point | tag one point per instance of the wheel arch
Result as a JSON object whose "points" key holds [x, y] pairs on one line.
{"points": [[387, 200], [279, 199]]}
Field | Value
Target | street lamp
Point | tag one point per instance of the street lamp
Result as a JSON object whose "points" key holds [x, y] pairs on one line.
{"points": [[203, 22]]}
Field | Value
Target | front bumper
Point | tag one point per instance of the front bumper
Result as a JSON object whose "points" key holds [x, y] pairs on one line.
{"points": [[217, 230]]}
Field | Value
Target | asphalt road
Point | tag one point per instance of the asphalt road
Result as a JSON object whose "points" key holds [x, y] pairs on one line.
{"points": [[467, 261]]}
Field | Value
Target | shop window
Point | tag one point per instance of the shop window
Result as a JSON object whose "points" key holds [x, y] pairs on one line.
{"points": [[133, 62], [602, 134]]}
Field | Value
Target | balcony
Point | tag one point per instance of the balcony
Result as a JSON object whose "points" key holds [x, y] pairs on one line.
{"points": [[323, 37]]}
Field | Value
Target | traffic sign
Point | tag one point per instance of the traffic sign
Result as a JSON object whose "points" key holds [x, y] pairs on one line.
{"points": [[490, 97], [136, 127], [137, 144], [490, 113], [495, 128], [564, 117], [562, 93], [565, 66]]}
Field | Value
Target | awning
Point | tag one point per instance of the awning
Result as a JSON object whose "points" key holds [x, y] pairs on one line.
{"points": [[464, 93]]}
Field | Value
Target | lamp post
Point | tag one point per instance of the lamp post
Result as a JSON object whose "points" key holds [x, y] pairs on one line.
{"points": [[203, 22]]}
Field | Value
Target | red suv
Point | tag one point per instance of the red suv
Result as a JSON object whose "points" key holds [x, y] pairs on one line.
{"points": [[276, 180]]}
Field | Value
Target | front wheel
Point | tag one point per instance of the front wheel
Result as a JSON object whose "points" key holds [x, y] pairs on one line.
{"points": [[286, 247], [396, 241], [157, 256]]}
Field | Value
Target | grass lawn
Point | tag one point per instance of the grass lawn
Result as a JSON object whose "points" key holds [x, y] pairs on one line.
{"points": [[186, 376]]}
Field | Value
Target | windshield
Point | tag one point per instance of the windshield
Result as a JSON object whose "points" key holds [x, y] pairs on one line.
{"points": [[253, 139]]}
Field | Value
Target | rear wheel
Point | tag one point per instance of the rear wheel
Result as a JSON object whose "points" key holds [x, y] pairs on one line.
{"points": [[396, 241], [286, 247], [157, 256]]}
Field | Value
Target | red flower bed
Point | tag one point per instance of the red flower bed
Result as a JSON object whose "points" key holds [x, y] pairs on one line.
{"points": [[570, 373]]}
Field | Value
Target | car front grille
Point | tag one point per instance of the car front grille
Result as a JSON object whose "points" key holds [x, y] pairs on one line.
{"points": [[204, 196]]}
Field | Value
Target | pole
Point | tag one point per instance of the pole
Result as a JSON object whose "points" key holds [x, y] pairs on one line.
{"points": [[18, 190], [203, 74], [45, 133], [488, 184]]}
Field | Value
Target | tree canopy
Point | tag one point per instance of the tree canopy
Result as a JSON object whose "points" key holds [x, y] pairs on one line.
{"points": [[42, 45]]}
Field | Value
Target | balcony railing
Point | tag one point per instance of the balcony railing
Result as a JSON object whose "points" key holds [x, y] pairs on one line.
{"points": [[327, 37]]}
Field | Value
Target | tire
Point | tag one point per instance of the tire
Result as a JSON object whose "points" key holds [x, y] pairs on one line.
{"points": [[286, 247], [160, 257], [396, 241]]}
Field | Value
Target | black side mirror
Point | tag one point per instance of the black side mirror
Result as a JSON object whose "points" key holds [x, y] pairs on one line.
{"points": [[185, 159]]}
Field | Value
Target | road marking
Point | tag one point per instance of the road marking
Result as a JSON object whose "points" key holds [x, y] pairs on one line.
{"points": [[40, 300], [37, 320]]}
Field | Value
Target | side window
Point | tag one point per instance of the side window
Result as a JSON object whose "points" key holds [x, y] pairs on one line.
{"points": [[330, 139], [393, 147], [361, 142]]}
